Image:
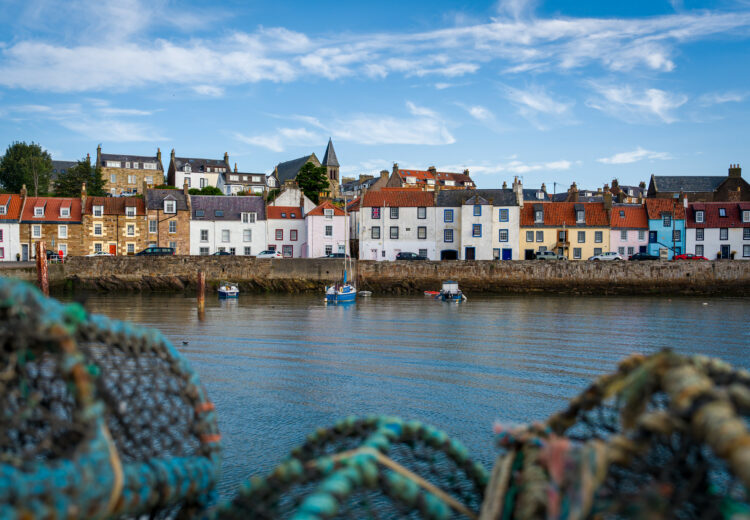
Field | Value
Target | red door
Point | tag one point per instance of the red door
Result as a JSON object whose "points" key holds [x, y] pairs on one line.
{"points": [[112, 249]]}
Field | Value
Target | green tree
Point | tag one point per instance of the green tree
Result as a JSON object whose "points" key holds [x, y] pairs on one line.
{"points": [[312, 180], [211, 190], [69, 183], [194, 191], [27, 164]]}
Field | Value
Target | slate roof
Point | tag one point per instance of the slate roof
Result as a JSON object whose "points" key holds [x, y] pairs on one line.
{"points": [[115, 205], [408, 198], [318, 210], [130, 158], [454, 198], [59, 167], [529, 195], [711, 218], [329, 157], [655, 207], [275, 212], [687, 183], [555, 197], [155, 199], [231, 207], [564, 213], [629, 216], [52, 207], [289, 169], [12, 204], [199, 164], [246, 178], [354, 205]]}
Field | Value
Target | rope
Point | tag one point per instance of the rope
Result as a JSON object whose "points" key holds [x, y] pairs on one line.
{"points": [[116, 464]]}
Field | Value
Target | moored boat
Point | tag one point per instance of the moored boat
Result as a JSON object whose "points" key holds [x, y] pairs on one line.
{"points": [[450, 292], [228, 290]]}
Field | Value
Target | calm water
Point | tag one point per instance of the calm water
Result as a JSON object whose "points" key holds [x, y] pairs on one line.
{"points": [[278, 366]]}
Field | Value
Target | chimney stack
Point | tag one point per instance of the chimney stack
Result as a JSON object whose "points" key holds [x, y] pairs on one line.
{"points": [[83, 196], [395, 168], [226, 159], [185, 188], [544, 188], [383, 174], [158, 155], [432, 170], [735, 171], [607, 201], [88, 159], [573, 193], [505, 185], [171, 156], [23, 191], [642, 185]]}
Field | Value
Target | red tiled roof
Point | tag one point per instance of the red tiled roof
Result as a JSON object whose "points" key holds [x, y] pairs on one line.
{"points": [[326, 205], [711, 218], [52, 207], [424, 175], [274, 212], [655, 207], [354, 205], [563, 213], [115, 205], [631, 217], [398, 198], [12, 204]]}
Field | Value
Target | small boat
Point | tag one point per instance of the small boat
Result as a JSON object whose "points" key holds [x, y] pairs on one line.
{"points": [[365, 293], [451, 293], [341, 292], [431, 293], [228, 290]]}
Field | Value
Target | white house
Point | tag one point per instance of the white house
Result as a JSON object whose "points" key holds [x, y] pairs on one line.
{"points": [[10, 240], [326, 227], [479, 224], [232, 183], [293, 196], [397, 220], [236, 225], [718, 229], [198, 173], [287, 231]]}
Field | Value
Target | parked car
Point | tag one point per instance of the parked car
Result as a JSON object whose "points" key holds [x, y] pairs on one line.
{"points": [[409, 256], [53, 255], [611, 255], [549, 255], [222, 253], [270, 254], [156, 251], [100, 253], [689, 256], [643, 256], [336, 255]]}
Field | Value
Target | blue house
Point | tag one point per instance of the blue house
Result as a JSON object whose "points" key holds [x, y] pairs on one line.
{"points": [[666, 226]]}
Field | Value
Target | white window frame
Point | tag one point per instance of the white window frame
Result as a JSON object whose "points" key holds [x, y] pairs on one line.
{"points": [[225, 236], [170, 206], [204, 235], [130, 211], [328, 213], [113, 178], [98, 230], [247, 235], [172, 226], [152, 226], [62, 231], [98, 211], [39, 211], [36, 231], [699, 218], [130, 230]]}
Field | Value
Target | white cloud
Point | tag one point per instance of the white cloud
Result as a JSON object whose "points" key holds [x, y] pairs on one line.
{"points": [[282, 138], [636, 155], [514, 166], [718, 98], [634, 105], [538, 107], [480, 113], [208, 90]]}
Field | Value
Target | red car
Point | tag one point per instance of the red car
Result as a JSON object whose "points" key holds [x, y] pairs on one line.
{"points": [[689, 256]]}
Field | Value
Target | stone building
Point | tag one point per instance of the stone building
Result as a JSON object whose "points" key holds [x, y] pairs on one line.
{"points": [[115, 225], [429, 179], [56, 221], [168, 212], [732, 188], [196, 172], [127, 174], [287, 171]]}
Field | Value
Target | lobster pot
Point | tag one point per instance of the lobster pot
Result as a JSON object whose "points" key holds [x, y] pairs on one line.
{"points": [[98, 418], [450, 287]]}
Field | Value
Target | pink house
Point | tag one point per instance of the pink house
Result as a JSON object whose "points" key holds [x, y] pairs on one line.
{"points": [[628, 229], [326, 231], [286, 230]]}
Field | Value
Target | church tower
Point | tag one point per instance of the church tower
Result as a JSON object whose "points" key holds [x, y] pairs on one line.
{"points": [[331, 162]]}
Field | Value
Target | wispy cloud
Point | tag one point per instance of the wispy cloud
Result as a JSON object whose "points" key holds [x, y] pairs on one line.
{"points": [[634, 105], [639, 154], [538, 106], [281, 138], [514, 166], [718, 98], [208, 90]]}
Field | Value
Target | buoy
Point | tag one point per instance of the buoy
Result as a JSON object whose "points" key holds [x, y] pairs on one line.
{"points": [[705, 303]]}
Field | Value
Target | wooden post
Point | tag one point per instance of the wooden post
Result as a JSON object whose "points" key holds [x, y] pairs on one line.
{"points": [[201, 294], [42, 274]]}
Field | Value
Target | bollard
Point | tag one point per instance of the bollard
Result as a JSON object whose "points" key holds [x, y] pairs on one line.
{"points": [[42, 275], [201, 294]]}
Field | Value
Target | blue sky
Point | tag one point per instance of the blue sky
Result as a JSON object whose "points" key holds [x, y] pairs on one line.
{"points": [[554, 91]]}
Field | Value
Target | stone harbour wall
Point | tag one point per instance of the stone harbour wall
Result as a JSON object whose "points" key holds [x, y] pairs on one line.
{"points": [[179, 273]]}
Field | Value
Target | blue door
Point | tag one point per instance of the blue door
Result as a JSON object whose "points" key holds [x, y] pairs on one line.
{"points": [[507, 254]]}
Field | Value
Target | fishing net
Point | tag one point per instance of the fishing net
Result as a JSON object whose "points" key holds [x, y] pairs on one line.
{"points": [[98, 418], [375, 467], [665, 436]]}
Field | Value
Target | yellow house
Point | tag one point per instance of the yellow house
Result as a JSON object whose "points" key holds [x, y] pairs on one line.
{"points": [[577, 230]]}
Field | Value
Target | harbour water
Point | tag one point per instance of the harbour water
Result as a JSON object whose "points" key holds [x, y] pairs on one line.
{"points": [[277, 366]]}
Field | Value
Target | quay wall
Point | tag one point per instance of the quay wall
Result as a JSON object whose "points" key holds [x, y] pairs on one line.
{"points": [[179, 273]]}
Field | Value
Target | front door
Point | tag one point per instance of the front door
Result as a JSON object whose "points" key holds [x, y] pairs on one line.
{"points": [[25, 252], [724, 252], [507, 254], [469, 254], [112, 249], [373, 254]]}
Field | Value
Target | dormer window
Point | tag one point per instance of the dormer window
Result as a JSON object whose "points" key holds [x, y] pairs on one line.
{"points": [[540, 195], [745, 215], [130, 211], [431, 182], [256, 178], [218, 213], [39, 211], [539, 217], [622, 214], [699, 216], [248, 218], [98, 211], [170, 206], [477, 210], [292, 215], [208, 169], [580, 216], [200, 213], [127, 164], [328, 213], [187, 168], [3, 210], [149, 166], [666, 220], [65, 212], [283, 215], [722, 212], [113, 164], [135, 165]]}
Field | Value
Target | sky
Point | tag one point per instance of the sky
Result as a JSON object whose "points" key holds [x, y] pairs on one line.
{"points": [[551, 91]]}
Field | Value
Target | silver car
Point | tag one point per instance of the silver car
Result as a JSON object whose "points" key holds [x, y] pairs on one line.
{"points": [[606, 256], [549, 255]]}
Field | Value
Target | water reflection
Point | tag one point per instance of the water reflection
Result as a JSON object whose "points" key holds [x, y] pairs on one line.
{"points": [[278, 366]]}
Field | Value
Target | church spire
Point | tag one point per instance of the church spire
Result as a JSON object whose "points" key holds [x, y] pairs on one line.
{"points": [[329, 157]]}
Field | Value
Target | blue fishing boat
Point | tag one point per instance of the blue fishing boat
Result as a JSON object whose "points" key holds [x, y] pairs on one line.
{"points": [[344, 291], [451, 293], [228, 290]]}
